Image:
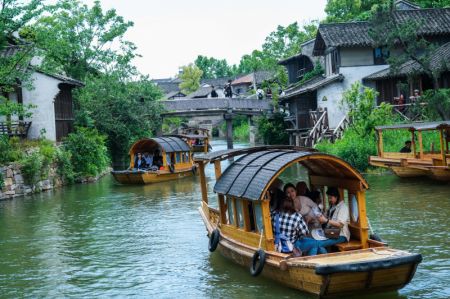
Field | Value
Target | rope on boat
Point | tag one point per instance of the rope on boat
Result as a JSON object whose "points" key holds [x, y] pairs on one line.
{"points": [[260, 238]]}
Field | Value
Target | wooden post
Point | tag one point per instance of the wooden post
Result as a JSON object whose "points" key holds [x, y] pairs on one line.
{"points": [[420, 145], [413, 141], [364, 225], [265, 211], [201, 169], [229, 120], [217, 169], [441, 137], [380, 143]]}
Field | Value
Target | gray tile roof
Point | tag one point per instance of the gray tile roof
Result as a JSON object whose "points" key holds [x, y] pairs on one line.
{"points": [[440, 61], [434, 21], [311, 85], [202, 92]]}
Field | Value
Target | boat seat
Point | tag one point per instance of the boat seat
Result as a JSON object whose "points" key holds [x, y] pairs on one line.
{"points": [[352, 245]]}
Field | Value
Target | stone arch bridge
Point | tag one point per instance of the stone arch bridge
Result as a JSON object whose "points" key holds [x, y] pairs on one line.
{"points": [[224, 108]]}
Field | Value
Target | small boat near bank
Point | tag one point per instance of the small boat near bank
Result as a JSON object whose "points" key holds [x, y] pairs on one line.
{"points": [[434, 163], [174, 161], [197, 138], [241, 230]]}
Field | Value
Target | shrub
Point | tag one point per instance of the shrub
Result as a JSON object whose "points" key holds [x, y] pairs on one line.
{"points": [[352, 148], [2, 181], [273, 129], [65, 167], [88, 151], [31, 167]]}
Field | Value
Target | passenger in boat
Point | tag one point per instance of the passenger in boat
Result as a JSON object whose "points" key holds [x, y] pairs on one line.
{"points": [[302, 189], [407, 147], [337, 216], [148, 159], [157, 159], [276, 194], [294, 228], [304, 205], [139, 162]]}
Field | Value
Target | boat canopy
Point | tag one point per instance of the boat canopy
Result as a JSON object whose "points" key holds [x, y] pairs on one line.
{"points": [[251, 174], [418, 126], [189, 136], [167, 144]]}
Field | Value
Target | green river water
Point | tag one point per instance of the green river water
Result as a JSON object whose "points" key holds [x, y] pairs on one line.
{"points": [[108, 240]]}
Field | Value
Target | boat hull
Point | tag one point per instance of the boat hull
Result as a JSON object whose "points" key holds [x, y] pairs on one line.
{"points": [[142, 177], [408, 172], [369, 270]]}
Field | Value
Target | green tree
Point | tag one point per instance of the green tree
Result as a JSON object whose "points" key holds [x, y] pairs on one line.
{"points": [[190, 77], [122, 110], [78, 39], [360, 102], [348, 10], [16, 53], [213, 68], [272, 129]]}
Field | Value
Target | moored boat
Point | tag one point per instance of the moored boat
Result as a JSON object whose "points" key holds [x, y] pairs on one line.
{"points": [[241, 229], [171, 156], [197, 138], [420, 161]]}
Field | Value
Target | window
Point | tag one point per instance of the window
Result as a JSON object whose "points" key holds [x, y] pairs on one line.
{"points": [[178, 159], [379, 55], [240, 213], [258, 216], [230, 210]]}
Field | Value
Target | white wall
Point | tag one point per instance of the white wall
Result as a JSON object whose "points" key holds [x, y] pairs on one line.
{"points": [[42, 95], [356, 56], [333, 92]]}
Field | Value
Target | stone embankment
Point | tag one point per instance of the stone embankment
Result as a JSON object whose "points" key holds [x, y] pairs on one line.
{"points": [[15, 185]]}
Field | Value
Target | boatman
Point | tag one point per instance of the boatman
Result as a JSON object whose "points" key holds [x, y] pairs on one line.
{"points": [[407, 147]]}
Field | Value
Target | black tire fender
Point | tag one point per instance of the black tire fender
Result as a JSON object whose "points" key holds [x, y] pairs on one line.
{"points": [[258, 261], [214, 240], [172, 168]]}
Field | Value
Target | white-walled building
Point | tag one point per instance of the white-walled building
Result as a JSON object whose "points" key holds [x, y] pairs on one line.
{"points": [[52, 117]]}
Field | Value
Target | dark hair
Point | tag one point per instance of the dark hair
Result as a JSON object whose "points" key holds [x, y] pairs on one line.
{"points": [[302, 188], [277, 199], [287, 186], [315, 196], [333, 191], [408, 141], [288, 206]]}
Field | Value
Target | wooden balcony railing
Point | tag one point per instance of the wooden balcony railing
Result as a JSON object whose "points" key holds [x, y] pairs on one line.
{"points": [[17, 128]]}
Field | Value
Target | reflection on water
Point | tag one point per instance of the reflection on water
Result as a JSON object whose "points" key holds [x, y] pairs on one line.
{"points": [[107, 240]]}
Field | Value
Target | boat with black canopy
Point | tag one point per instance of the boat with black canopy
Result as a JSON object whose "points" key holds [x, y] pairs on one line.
{"points": [[241, 229], [170, 156]]}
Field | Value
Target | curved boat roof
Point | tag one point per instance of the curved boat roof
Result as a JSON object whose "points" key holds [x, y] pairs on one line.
{"points": [[250, 175], [418, 126], [168, 144]]}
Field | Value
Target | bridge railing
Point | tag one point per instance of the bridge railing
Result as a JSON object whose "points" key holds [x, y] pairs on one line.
{"points": [[217, 103]]}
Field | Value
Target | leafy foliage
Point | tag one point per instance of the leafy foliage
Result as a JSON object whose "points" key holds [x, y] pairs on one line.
{"points": [[64, 164], [88, 151], [213, 67], [78, 39], [123, 111], [317, 71], [438, 104], [360, 103], [273, 129], [190, 77], [32, 166], [352, 148]]}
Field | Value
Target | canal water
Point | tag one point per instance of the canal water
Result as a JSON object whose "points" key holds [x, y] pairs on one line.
{"points": [[108, 240]]}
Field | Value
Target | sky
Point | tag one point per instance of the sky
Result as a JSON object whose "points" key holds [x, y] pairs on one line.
{"points": [[172, 33]]}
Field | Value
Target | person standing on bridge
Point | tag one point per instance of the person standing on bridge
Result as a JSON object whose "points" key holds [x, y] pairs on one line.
{"points": [[228, 90], [214, 92]]}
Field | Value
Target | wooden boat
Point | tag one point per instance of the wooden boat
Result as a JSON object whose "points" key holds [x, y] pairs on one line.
{"points": [[241, 227], [176, 157], [197, 138], [420, 162]]}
